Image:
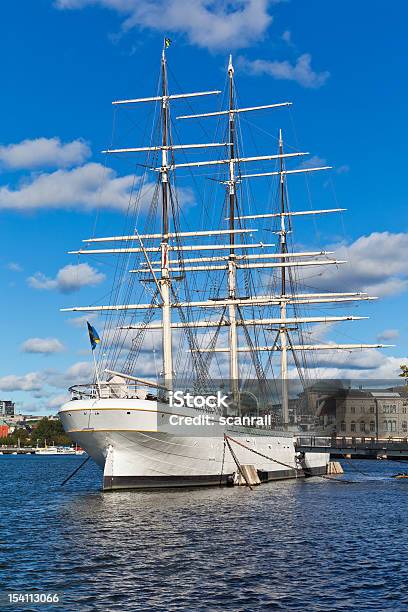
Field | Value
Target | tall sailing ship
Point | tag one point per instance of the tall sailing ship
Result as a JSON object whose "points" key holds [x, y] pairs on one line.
{"points": [[242, 334]]}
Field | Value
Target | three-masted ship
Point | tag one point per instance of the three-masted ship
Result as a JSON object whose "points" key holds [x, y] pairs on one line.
{"points": [[247, 322]]}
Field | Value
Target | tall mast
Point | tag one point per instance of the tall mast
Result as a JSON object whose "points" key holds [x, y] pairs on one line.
{"points": [[283, 327], [233, 338], [165, 281]]}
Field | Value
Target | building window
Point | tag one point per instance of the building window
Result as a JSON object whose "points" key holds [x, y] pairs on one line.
{"points": [[393, 409], [372, 426], [386, 409], [352, 409], [372, 409], [393, 425], [404, 426], [385, 425], [352, 426], [342, 426], [362, 427]]}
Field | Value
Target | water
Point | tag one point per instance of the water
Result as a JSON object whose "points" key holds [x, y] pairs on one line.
{"points": [[296, 545]]}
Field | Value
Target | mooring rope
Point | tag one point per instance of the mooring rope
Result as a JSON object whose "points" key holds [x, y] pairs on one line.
{"points": [[326, 477], [262, 455], [76, 470], [237, 463]]}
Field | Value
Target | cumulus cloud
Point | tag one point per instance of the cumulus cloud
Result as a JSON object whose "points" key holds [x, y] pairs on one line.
{"points": [[376, 264], [46, 346], [343, 169], [313, 162], [56, 401], [42, 384], [84, 187], [301, 71], [287, 37], [68, 279], [33, 381], [359, 365], [388, 334], [82, 320], [87, 186], [212, 24], [43, 152], [79, 373], [13, 266]]}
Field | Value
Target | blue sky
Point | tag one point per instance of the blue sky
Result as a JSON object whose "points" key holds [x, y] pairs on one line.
{"points": [[63, 62]]}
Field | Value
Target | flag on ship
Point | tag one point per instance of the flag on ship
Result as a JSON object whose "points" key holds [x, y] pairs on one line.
{"points": [[167, 43], [93, 336]]}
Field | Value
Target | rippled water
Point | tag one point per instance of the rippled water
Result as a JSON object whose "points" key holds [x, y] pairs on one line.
{"points": [[296, 545]]}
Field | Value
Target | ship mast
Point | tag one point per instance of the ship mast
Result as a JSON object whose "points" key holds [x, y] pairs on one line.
{"points": [[239, 255], [283, 328], [165, 281], [233, 336]]}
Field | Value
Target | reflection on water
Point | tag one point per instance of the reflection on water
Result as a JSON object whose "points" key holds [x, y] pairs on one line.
{"points": [[296, 545]]}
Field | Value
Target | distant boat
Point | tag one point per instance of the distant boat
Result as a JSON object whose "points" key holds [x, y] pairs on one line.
{"points": [[59, 450]]}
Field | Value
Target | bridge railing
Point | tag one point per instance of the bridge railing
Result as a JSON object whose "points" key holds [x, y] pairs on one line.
{"points": [[351, 442]]}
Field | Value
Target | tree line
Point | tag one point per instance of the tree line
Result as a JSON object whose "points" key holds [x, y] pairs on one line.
{"points": [[46, 431]]}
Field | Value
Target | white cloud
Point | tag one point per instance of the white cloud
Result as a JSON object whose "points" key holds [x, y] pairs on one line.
{"points": [[85, 187], [343, 169], [13, 266], [313, 162], [364, 359], [56, 401], [212, 24], [42, 152], [81, 321], [388, 334], [287, 37], [42, 384], [68, 279], [369, 364], [79, 373], [45, 346], [301, 71], [33, 381], [376, 264]]}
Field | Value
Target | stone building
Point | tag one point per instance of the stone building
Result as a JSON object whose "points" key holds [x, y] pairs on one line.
{"points": [[372, 414]]}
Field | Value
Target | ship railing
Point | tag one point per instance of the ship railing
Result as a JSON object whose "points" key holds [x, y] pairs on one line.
{"points": [[110, 391]]}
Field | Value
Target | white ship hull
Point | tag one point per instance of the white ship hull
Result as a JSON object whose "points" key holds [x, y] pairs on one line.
{"points": [[125, 437]]}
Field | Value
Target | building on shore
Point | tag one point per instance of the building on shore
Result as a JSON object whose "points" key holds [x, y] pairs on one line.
{"points": [[7, 408], [365, 413], [4, 429], [379, 413]]}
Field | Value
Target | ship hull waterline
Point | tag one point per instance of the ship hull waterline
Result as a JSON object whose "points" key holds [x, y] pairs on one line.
{"points": [[126, 439]]}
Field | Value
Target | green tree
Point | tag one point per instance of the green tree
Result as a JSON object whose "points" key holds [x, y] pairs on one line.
{"points": [[47, 430], [50, 431], [20, 434], [404, 372]]}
